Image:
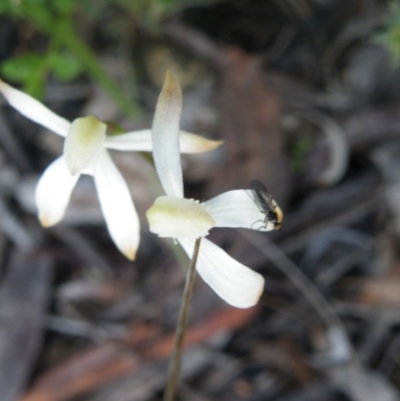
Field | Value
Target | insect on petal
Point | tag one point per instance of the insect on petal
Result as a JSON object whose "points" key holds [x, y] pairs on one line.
{"points": [[238, 209], [267, 205]]}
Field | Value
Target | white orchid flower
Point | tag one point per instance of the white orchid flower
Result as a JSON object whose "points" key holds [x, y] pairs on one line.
{"points": [[186, 219], [85, 153]]}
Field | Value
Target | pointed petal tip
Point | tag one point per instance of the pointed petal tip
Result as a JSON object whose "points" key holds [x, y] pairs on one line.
{"points": [[192, 143], [171, 87], [46, 222], [127, 246], [214, 144], [130, 253], [169, 78], [118, 209]]}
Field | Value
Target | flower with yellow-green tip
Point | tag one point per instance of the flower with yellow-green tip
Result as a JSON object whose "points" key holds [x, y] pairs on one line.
{"points": [[85, 153], [186, 219]]}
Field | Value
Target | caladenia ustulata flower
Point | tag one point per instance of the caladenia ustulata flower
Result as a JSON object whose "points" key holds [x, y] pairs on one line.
{"points": [[85, 152], [186, 219]]}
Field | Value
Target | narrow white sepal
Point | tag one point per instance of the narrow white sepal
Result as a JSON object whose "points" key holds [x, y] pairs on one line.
{"points": [[141, 141], [53, 192], [117, 206], [165, 137], [192, 143], [174, 217], [233, 282], [34, 110], [238, 209], [84, 143]]}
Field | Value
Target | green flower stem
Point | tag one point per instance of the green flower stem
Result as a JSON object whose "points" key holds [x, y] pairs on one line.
{"points": [[175, 366]]}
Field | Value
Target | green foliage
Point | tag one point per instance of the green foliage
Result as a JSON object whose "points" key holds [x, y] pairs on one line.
{"points": [[63, 6], [5, 7], [389, 37], [166, 2], [24, 7], [21, 68], [67, 55], [149, 13], [30, 69], [64, 65], [298, 154]]}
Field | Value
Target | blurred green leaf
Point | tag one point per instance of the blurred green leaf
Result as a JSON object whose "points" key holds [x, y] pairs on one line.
{"points": [[28, 69], [63, 6], [5, 7], [64, 65], [54, 18], [389, 37], [166, 2], [298, 154], [21, 68]]}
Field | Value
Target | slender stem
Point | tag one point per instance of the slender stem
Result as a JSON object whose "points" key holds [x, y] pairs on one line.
{"points": [[175, 366]]}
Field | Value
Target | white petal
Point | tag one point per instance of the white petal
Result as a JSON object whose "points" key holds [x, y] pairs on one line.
{"points": [[84, 143], [165, 137], [141, 141], [117, 206], [233, 282], [53, 192], [34, 110], [179, 218], [238, 209], [192, 143]]}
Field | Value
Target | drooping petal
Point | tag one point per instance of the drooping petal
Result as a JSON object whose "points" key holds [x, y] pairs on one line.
{"points": [[165, 137], [34, 110], [53, 192], [84, 143], [238, 208], [141, 141], [233, 282], [179, 218], [117, 206]]}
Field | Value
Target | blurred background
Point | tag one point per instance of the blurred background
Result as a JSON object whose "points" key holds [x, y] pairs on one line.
{"points": [[305, 95]]}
